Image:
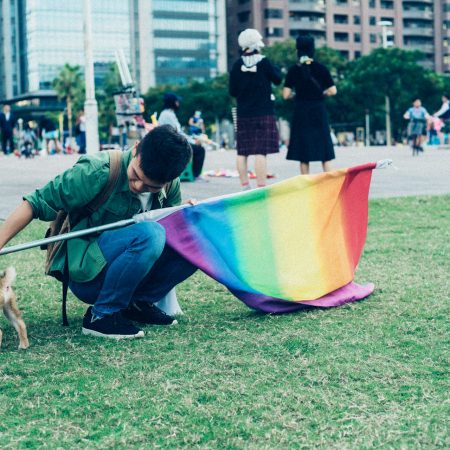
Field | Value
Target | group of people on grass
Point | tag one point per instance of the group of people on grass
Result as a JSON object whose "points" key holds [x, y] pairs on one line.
{"points": [[122, 273]]}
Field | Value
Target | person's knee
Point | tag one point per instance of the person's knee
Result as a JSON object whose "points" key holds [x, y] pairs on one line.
{"points": [[198, 150], [150, 238]]}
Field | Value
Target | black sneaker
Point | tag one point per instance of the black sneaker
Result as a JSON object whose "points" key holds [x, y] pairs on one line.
{"points": [[114, 326], [147, 313]]}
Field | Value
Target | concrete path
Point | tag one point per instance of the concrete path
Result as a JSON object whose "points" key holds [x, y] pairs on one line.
{"points": [[427, 174]]}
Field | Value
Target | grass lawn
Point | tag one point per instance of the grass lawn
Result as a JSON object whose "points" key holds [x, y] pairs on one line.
{"points": [[370, 374]]}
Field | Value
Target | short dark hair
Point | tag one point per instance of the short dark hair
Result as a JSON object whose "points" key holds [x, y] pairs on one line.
{"points": [[170, 99], [165, 153]]}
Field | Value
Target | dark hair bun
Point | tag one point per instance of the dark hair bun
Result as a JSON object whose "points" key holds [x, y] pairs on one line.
{"points": [[305, 45]]}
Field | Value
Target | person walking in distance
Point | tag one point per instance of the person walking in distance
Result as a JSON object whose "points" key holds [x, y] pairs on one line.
{"points": [[311, 83], [251, 80], [417, 127], [7, 124]]}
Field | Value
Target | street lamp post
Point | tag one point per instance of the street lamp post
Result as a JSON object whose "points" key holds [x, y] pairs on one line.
{"points": [[367, 128], [90, 104], [385, 24]]}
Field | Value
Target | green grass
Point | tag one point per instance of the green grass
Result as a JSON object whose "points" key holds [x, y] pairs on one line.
{"points": [[370, 374]]}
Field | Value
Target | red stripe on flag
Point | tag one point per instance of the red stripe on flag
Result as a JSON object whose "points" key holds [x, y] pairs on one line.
{"points": [[355, 209]]}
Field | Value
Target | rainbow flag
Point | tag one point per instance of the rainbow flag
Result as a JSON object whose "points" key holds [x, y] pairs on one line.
{"points": [[292, 244]]}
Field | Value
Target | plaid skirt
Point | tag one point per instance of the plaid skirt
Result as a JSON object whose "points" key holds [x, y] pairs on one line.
{"points": [[257, 135]]}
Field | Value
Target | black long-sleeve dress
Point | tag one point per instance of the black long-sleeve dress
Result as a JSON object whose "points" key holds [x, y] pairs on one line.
{"points": [[310, 132]]}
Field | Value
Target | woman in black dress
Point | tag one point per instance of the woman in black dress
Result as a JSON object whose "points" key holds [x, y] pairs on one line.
{"points": [[310, 133], [251, 81]]}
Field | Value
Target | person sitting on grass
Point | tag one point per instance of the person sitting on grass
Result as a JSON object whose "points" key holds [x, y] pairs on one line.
{"points": [[121, 272], [168, 117]]}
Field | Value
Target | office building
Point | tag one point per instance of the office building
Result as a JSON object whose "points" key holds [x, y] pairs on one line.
{"points": [[177, 40], [349, 26]]}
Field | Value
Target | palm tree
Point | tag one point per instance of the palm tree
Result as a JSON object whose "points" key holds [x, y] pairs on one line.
{"points": [[68, 86]]}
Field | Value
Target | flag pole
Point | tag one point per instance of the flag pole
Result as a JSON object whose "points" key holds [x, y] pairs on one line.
{"points": [[156, 214], [65, 236]]}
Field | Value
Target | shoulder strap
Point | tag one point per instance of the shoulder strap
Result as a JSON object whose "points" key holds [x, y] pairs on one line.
{"points": [[65, 286], [115, 159]]}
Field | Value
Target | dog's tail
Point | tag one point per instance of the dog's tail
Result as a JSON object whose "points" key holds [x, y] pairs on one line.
{"points": [[8, 276]]}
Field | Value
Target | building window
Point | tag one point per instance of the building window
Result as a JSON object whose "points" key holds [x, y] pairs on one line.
{"points": [[373, 38], [274, 32], [387, 4], [344, 53], [341, 37], [340, 18], [340, 2], [357, 37], [372, 20], [270, 13], [357, 54], [372, 4], [242, 2], [388, 19], [356, 20], [408, 23], [244, 16]]}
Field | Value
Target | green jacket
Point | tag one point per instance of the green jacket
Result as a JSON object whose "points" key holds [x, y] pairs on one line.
{"points": [[72, 190]]}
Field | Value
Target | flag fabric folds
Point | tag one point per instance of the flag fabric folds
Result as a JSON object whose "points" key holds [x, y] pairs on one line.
{"points": [[280, 248]]}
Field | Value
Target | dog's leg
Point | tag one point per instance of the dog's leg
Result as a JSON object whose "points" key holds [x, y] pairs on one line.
{"points": [[15, 317]]}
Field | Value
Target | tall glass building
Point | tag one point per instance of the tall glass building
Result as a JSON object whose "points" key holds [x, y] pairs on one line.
{"points": [[46, 34], [177, 40], [165, 41]]}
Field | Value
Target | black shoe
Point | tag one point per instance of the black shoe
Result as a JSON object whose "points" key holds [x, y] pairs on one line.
{"points": [[114, 326], [147, 313]]}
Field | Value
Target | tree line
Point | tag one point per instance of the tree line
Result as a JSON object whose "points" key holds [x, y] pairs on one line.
{"points": [[362, 86]]}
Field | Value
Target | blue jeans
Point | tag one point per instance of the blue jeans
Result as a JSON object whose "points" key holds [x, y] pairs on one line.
{"points": [[139, 267]]}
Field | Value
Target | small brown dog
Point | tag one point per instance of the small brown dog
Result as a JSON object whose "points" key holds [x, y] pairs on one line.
{"points": [[9, 304]]}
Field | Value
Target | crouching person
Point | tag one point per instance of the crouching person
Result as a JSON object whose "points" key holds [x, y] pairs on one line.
{"points": [[121, 272]]}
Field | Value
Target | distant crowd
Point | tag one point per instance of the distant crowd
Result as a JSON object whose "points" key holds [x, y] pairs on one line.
{"points": [[27, 139]]}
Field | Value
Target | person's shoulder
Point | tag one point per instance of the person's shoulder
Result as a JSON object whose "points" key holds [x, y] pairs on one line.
{"points": [[96, 161], [237, 65], [316, 65], [164, 113]]}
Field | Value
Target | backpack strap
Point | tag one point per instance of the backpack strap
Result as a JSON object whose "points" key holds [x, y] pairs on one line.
{"points": [[65, 287], [115, 159]]}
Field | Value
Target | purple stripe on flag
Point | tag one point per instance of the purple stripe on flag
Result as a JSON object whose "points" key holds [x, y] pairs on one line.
{"points": [[351, 292]]}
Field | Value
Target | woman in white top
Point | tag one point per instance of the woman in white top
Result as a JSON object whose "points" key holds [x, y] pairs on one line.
{"points": [[169, 117]]}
